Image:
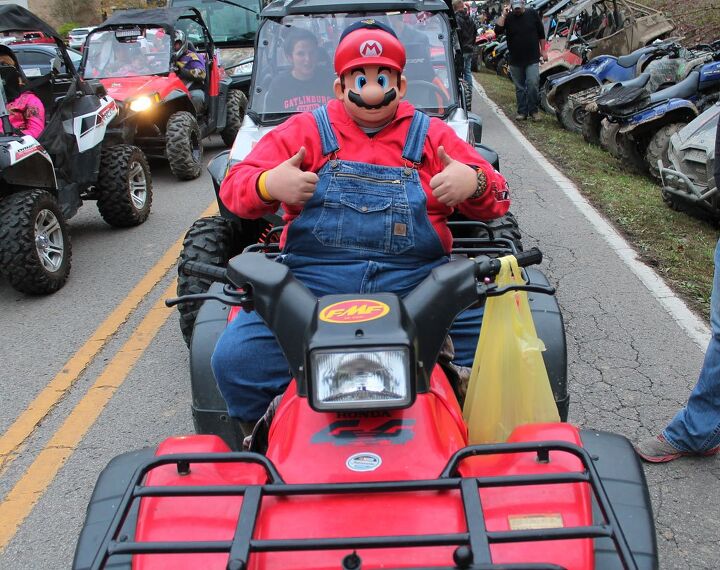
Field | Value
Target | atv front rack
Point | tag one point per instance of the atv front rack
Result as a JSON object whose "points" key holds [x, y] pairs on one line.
{"points": [[473, 547]]}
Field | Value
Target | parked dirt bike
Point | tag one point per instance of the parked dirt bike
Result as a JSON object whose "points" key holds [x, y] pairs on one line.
{"points": [[688, 182], [167, 115], [45, 181], [647, 121], [590, 76], [367, 461]]}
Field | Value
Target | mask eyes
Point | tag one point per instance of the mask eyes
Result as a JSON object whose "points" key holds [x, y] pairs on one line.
{"points": [[360, 82], [383, 80]]}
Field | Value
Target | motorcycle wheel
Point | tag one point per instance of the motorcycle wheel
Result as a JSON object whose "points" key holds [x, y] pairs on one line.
{"points": [[35, 248], [658, 148], [124, 191], [236, 104], [183, 145]]}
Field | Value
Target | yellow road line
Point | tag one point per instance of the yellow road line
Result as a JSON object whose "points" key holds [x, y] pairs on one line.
{"points": [[21, 499], [12, 440]]}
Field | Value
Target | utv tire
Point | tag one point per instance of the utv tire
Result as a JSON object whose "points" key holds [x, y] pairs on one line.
{"points": [[467, 93], [35, 249], [236, 105], [658, 148], [209, 240], [183, 145], [591, 127], [124, 193]]}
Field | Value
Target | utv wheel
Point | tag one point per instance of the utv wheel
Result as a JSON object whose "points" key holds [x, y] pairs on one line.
{"points": [[591, 128], [467, 93], [183, 145], [35, 250], [658, 148], [124, 186], [236, 105], [209, 240]]}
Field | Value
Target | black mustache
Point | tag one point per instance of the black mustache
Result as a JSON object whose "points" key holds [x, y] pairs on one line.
{"points": [[355, 98]]}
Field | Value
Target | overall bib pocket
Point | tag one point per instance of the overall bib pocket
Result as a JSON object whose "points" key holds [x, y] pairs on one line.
{"points": [[361, 212]]}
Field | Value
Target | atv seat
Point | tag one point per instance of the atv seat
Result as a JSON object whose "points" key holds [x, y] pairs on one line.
{"points": [[686, 88], [640, 81], [631, 59]]}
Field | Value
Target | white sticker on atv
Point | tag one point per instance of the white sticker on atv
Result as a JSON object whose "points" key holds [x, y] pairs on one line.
{"points": [[89, 130], [364, 461]]}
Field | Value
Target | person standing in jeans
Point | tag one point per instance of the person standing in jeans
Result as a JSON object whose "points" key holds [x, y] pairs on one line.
{"points": [[695, 430], [525, 36], [466, 35]]}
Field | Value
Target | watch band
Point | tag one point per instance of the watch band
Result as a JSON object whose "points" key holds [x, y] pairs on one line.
{"points": [[481, 185]]}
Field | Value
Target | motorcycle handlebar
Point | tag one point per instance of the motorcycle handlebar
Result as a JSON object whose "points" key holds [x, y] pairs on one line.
{"points": [[199, 269]]}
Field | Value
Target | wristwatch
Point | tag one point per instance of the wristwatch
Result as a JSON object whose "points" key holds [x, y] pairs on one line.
{"points": [[481, 185]]}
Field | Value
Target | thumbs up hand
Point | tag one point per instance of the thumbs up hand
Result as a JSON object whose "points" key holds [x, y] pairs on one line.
{"points": [[455, 183], [288, 183]]}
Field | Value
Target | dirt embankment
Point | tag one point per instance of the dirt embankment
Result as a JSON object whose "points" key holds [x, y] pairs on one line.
{"points": [[698, 21]]}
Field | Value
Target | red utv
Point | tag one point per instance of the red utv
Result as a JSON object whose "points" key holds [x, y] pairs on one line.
{"points": [[133, 55]]}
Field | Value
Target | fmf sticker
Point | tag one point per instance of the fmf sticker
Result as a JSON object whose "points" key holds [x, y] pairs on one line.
{"points": [[354, 311]]}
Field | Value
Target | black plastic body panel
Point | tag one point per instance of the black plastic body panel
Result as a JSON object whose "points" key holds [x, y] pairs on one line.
{"points": [[624, 481]]}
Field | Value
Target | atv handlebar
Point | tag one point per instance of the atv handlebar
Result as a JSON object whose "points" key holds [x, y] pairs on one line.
{"points": [[199, 269]]}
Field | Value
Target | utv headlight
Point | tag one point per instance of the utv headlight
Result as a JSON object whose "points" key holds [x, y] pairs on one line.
{"points": [[243, 68], [143, 103], [370, 379]]}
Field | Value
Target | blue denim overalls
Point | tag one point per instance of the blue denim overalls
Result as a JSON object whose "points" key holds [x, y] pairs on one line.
{"points": [[364, 230]]}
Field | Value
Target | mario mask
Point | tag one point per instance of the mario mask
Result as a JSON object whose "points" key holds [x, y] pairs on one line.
{"points": [[369, 61]]}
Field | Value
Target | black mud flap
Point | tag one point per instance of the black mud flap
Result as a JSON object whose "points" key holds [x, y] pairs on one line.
{"points": [[109, 490], [209, 410], [624, 481]]}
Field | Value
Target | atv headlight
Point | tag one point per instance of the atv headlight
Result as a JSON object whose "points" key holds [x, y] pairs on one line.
{"points": [[369, 379], [143, 103]]}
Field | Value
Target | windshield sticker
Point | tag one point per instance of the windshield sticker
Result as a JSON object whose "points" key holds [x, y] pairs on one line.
{"points": [[364, 461], [354, 311]]}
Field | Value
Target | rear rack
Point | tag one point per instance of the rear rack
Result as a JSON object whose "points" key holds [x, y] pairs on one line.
{"points": [[468, 246], [473, 546]]}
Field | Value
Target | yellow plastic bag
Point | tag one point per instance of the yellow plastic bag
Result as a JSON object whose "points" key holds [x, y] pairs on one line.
{"points": [[509, 385]]}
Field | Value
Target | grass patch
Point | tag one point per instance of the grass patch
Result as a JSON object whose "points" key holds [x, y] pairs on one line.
{"points": [[680, 248]]}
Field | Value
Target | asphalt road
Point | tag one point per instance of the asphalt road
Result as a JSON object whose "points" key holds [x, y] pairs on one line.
{"points": [[631, 365]]}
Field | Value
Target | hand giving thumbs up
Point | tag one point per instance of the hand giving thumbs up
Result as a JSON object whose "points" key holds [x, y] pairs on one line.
{"points": [[288, 183], [455, 183]]}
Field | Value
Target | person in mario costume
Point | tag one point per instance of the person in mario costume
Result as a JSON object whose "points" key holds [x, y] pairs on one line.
{"points": [[366, 184]]}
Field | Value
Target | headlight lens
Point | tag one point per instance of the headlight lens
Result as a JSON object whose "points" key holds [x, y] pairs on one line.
{"points": [[141, 104], [371, 379]]}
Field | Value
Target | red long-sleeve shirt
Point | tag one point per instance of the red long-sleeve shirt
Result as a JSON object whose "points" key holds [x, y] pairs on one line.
{"points": [[238, 190]]}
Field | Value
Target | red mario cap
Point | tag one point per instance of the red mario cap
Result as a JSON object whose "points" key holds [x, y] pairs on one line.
{"points": [[368, 42]]}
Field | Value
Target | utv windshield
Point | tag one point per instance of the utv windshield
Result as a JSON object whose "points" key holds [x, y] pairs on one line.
{"points": [[294, 63], [127, 52], [229, 21]]}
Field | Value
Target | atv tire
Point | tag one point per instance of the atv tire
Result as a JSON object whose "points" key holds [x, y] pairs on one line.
{"points": [[572, 112], [503, 67], [213, 240], [504, 227], [544, 103], [236, 105], [630, 154], [608, 132], [591, 127], [124, 191], [183, 145], [35, 249], [658, 148]]}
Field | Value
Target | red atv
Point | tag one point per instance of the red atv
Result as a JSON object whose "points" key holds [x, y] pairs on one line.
{"points": [[134, 56], [367, 462]]}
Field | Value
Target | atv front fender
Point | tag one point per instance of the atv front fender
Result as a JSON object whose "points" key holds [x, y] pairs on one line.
{"points": [[672, 111]]}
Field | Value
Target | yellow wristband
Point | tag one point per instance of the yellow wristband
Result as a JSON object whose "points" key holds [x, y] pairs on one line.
{"points": [[262, 189]]}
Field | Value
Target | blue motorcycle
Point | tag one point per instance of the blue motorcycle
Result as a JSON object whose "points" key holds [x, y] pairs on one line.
{"points": [[647, 121], [589, 77]]}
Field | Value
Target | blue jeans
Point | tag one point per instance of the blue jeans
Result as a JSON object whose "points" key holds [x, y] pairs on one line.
{"points": [[467, 68], [696, 428], [527, 87]]}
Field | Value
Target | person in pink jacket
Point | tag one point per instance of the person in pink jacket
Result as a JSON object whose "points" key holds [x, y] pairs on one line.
{"points": [[27, 113]]}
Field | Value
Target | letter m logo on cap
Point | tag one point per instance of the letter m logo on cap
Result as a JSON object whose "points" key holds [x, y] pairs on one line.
{"points": [[371, 48]]}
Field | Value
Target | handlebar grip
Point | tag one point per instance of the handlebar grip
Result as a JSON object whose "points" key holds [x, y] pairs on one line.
{"points": [[199, 269], [530, 257]]}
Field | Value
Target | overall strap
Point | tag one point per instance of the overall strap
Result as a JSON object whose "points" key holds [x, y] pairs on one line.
{"points": [[415, 140], [327, 135]]}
